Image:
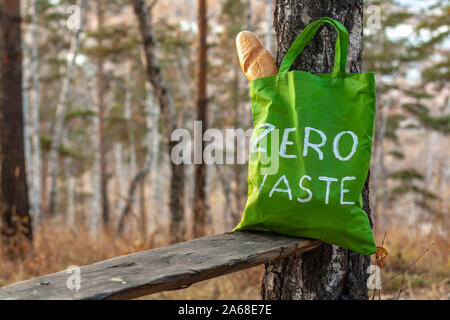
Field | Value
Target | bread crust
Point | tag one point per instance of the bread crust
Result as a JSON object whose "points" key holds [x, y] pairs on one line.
{"points": [[256, 62]]}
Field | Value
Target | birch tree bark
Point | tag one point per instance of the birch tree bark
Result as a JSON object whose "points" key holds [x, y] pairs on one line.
{"points": [[95, 208], [328, 272], [240, 121], [60, 112], [91, 179], [199, 208], [14, 206], [35, 122], [101, 117], [143, 222], [154, 169], [167, 110], [31, 133], [127, 113], [27, 131], [27, 151], [119, 177], [152, 118], [70, 186], [229, 217], [379, 172], [128, 104]]}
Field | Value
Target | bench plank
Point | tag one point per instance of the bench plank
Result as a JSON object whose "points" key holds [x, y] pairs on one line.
{"points": [[168, 268]]}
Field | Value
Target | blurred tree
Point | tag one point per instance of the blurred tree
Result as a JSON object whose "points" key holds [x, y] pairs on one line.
{"points": [[168, 112], [101, 116], [199, 208], [113, 47], [229, 99], [14, 206], [60, 112], [31, 102], [35, 117], [392, 58], [269, 31]]}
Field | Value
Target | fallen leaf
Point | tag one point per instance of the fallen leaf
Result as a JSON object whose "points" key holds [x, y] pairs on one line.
{"points": [[380, 255]]}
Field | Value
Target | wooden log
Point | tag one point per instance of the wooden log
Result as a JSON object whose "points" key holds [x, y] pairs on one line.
{"points": [[168, 268]]}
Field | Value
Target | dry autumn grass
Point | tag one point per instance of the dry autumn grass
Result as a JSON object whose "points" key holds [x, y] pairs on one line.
{"points": [[56, 248]]}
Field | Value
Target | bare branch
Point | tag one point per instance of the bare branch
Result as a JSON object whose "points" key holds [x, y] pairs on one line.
{"points": [[401, 287], [408, 267]]}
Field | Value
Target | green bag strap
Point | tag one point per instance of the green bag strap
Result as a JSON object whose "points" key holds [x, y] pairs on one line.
{"points": [[340, 50]]}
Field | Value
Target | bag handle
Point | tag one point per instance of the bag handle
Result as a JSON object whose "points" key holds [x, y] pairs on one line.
{"points": [[340, 50]]}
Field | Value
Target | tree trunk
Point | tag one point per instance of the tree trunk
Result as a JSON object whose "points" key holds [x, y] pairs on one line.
{"points": [[328, 272], [152, 117], [71, 184], [379, 174], [199, 208], [154, 170], [27, 131], [128, 103], [14, 206], [30, 170], [93, 213], [59, 116], [119, 177], [95, 210], [236, 212], [268, 36], [229, 218], [167, 106], [35, 122], [31, 128], [143, 211], [101, 117]]}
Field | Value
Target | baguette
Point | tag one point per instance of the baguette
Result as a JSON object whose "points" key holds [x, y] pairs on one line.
{"points": [[256, 62]]}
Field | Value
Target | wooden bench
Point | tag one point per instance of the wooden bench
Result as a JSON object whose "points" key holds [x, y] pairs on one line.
{"points": [[168, 268]]}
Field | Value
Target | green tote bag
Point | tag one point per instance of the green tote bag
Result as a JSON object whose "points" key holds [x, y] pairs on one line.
{"points": [[310, 150]]}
